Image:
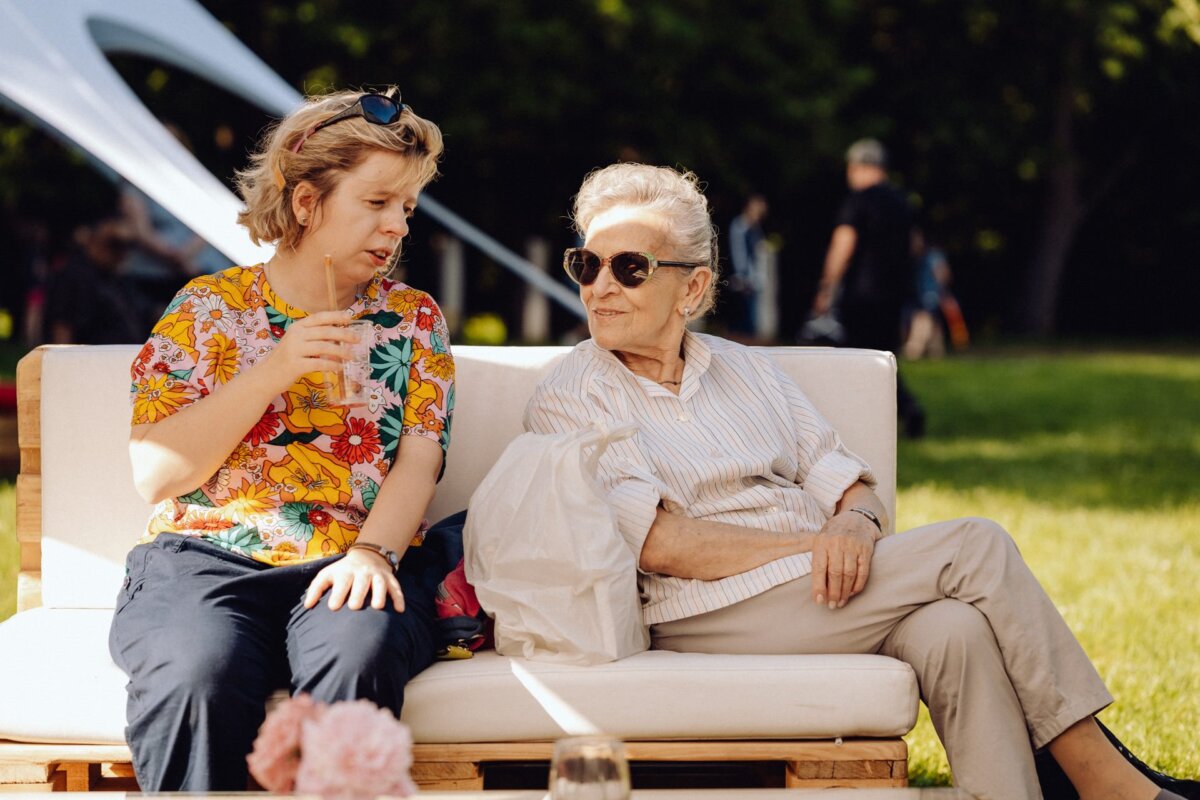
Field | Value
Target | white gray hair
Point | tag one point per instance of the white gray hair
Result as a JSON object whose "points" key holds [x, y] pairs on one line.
{"points": [[673, 195]]}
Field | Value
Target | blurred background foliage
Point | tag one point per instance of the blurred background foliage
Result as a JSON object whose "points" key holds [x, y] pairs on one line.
{"points": [[1049, 144]]}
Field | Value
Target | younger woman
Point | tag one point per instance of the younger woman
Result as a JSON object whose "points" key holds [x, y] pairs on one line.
{"points": [[275, 554]]}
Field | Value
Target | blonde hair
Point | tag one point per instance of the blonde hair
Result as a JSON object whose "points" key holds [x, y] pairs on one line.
{"points": [[673, 195], [266, 185]]}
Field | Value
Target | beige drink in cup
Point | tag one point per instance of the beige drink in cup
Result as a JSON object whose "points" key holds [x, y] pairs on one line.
{"points": [[350, 385]]}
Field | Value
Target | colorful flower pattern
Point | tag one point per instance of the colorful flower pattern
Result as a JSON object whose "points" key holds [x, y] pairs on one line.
{"points": [[300, 484]]}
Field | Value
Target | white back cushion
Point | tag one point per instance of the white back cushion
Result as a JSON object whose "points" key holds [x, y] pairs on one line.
{"points": [[91, 514]]}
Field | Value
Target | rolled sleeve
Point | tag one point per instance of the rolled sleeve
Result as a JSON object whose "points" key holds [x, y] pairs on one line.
{"points": [[635, 504], [833, 474]]}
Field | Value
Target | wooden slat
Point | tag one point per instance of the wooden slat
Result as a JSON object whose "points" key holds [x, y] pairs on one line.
{"points": [[31, 556], [466, 785], [714, 750], [29, 508], [80, 777], [448, 776], [428, 771], [29, 481], [56, 783], [800, 771], [849, 750], [24, 772], [29, 590], [119, 770], [458, 767], [862, 769], [42, 753], [827, 774], [29, 411]]}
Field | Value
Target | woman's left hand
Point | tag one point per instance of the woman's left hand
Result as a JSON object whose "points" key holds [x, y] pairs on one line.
{"points": [[842, 558], [351, 578]]}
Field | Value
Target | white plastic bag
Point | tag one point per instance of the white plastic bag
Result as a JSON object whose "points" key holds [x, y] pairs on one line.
{"points": [[545, 556]]}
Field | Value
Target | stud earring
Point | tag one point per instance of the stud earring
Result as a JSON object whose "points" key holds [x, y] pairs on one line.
{"points": [[303, 221], [687, 312]]}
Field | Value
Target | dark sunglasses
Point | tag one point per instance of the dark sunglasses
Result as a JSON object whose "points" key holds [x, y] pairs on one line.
{"points": [[630, 269], [378, 109]]}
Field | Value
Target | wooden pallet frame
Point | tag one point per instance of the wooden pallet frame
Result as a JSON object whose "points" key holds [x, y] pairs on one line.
{"points": [[877, 763], [79, 767]]}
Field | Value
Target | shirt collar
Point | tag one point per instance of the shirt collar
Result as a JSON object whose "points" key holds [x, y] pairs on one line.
{"points": [[697, 356]]}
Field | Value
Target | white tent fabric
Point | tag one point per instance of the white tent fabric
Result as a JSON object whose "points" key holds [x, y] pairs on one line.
{"points": [[53, 68]]}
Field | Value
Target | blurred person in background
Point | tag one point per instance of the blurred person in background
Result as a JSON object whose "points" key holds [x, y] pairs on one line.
{"points": [[89, 299], [925, 327], [745, 237], [869, 268], [165, 251]]}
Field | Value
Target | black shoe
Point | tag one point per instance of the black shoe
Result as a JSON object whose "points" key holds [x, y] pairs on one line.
{"points": [[1183, 787]]}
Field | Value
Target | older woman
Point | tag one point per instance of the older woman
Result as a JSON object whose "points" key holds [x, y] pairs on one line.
{"points": [[756, 531]]}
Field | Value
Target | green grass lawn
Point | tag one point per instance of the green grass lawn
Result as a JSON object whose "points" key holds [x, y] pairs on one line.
{"points": [[1090, 462]]}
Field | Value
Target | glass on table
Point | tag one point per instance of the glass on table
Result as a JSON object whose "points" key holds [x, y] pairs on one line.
{"points": [[589, 768]]}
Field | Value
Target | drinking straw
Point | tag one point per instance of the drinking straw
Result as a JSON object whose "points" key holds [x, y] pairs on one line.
{"points": [[330, 290], [333, 380]]}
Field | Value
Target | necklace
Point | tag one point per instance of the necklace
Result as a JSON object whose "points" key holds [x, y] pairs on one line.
{"points": [[670, 383]]}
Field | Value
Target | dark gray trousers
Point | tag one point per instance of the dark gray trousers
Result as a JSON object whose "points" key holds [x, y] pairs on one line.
{"points": [[206, 636]]}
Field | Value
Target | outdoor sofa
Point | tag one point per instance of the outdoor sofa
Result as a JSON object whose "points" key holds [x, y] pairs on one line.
{"points": [[823, 720]]}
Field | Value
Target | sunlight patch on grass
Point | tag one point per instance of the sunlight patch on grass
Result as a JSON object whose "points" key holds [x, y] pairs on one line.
{"points": [[1123, 581]]}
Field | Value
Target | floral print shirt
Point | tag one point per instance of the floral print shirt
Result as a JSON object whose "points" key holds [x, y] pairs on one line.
{"points": [[299, 485]]}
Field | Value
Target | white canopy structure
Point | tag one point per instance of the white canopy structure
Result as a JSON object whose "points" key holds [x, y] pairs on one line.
{"points": [[53, 69]]}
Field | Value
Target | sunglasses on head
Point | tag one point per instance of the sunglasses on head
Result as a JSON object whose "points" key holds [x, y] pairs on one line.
{"points": [[630, 269], [378, 109]]}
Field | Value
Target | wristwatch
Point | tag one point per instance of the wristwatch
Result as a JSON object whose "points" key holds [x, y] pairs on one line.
{"points": [[869, 514], [391, 556]]}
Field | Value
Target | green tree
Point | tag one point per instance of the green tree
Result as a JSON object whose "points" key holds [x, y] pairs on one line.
{"points": [[1043, 139], [1021, 119]]}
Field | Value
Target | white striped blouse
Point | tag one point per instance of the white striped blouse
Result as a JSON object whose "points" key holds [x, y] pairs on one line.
{"points": [[740, 444]]}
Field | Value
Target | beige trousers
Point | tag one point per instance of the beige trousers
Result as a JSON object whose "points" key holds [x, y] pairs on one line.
{"points": [[995, 662]]}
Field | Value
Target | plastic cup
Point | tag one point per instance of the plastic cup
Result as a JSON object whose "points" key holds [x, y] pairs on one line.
{"points": [[351, 384]]}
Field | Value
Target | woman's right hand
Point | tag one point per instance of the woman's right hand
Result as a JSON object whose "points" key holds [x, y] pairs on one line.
{"points": [[841, 558], [310, 344]]}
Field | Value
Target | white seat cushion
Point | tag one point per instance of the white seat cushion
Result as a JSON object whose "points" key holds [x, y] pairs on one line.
{"points": [[62, 685], [664, 695], [65, 688]]}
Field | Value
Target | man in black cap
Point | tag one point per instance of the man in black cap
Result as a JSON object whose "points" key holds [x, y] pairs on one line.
{"points": [[868, 270]]}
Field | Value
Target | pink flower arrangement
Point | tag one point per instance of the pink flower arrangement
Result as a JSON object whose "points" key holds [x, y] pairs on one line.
{"points": [[344, 751]]}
